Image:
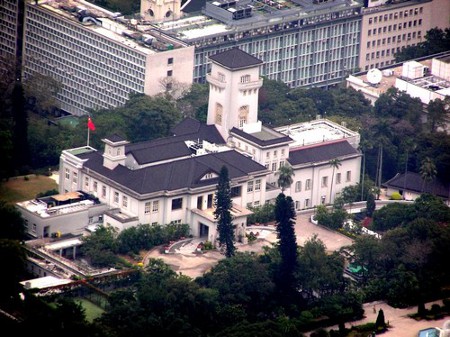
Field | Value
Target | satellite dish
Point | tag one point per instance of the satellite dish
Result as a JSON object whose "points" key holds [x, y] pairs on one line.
{"points": [[374, 76]]}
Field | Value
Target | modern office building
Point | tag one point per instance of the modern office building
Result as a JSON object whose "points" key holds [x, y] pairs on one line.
{"points": [[98, 57], [389, 26], [9, 18], [301, 42]]}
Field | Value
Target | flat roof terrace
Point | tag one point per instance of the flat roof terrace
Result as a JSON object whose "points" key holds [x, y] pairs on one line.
{"points": [[317, 131]]}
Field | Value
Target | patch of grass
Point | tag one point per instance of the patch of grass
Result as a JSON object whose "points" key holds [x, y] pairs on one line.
{"points": [[92, 311], [25, 187]]}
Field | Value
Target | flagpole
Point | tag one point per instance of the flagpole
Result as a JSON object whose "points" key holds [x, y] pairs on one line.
{"points": [[89, 130]]}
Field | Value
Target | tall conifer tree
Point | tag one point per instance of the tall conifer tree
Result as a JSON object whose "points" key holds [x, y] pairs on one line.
{"points": [[222, 213], [287, 244]]}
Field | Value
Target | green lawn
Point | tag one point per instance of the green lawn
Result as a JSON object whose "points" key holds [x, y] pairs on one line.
{"points": [[25, 188], [92, 311]]}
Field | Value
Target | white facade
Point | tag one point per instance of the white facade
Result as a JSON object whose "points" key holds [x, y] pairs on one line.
{"points": [[233, 97], [99, 60]]}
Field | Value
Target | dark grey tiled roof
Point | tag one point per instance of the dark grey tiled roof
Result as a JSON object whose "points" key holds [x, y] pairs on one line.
{"points": [[262, 142], [412, 181], [192, 6], [115, 138], [321, 152], [235, 58], [194, 130], [174, 147], [177, 174]]}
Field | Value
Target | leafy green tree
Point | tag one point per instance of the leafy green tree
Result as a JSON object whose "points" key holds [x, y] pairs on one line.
{"points": [[241, 280], [436, 41], [437, 110], [100, 247], [194, 103], [319, 273], [14, 261], [41, 91], [285, 174], [335, 164], [287, 241], [427, 171], [222, 213], [13, 225], [391, 216]]}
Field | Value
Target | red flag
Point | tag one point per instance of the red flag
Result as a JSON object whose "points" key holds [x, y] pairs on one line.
{"points": [[90, 124]]}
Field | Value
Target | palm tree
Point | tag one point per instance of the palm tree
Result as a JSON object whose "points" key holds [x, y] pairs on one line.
{"points": [[285, 174], [335, 164], [427, 171]]}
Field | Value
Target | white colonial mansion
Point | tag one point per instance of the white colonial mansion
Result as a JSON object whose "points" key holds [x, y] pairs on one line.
{"points": [[174, 179]]}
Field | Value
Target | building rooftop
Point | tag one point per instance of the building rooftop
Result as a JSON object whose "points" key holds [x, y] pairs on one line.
{"points": [[111, 25], [235, 58], [318, 131], [220, 16], [44, 282], [59, 204], [319, 153], [427, 80]]}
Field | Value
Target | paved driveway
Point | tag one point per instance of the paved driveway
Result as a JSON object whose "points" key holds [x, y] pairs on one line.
{"points": [[305, 230], [187, 261]]}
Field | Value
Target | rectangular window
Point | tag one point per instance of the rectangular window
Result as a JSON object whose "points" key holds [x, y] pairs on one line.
{"points": [[170, 60], [297, 204], [349, 176], [125, 201], [235, 191], [298, 186], [155, 208], [245, 79], [177, 203], [307, 184], [86, 182], [250, 186], [258, 185], [147, 207], [95, 186], [116, 197], [103, 191], [338, 178], [67, 175], [324, 181], [307, 203], [169, 73], [75, 177], [274, 166]]}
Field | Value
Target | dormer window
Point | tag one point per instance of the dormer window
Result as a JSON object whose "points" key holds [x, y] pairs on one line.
{"points": [[209, 175]]}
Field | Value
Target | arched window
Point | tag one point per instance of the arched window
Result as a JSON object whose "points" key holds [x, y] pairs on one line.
{"points": [[243, 115], [219, 112]]}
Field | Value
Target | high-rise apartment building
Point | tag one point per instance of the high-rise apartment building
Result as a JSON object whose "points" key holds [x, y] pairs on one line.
{"points": [[389, 26], [99, 58]]}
